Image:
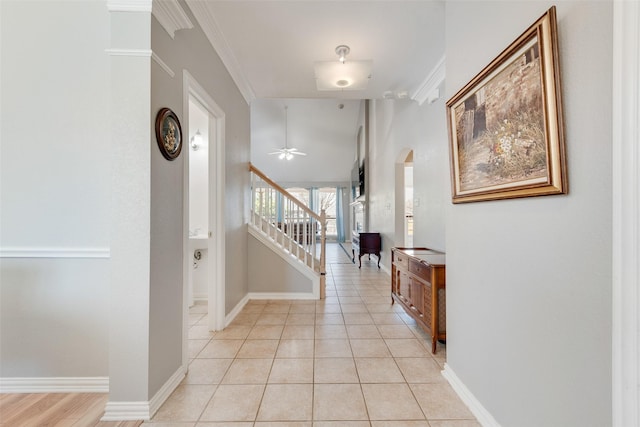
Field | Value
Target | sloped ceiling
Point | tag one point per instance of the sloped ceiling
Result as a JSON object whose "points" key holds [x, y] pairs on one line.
{"points": [[270, 48]]}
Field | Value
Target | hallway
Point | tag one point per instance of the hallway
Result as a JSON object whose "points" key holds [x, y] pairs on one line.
{"points": [[349, 360]]}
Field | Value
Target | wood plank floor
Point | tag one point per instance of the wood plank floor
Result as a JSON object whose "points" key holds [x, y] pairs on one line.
{"points": [[56, 410]]}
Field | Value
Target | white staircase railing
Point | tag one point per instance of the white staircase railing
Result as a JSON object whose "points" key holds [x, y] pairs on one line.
{"points": [[289, 223]]}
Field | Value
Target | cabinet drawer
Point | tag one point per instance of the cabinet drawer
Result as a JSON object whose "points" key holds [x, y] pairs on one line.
{"points": [[401, 260], [419, 269]]}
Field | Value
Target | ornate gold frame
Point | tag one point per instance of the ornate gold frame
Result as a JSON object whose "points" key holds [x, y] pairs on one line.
{"points": [[506, 128]]}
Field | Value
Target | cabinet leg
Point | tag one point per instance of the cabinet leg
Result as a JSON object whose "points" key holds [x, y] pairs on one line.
{"points": [[433, 345]]}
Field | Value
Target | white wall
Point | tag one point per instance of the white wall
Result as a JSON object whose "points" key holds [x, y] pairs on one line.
{"points": [[198, 170], [400, 126], [54, 175], [529, 280], [316, 127]]}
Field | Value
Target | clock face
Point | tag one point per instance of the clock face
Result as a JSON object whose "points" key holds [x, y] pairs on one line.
{"points": [[168, 134]]}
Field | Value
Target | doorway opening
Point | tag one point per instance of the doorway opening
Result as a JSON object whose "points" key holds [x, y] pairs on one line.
{"points": [[203, 208], [408, 201], [404, 199], [198, 253]]}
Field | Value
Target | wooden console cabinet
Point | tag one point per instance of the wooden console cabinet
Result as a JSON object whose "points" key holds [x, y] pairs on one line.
{"points": [[365, 243], [418, 285]]}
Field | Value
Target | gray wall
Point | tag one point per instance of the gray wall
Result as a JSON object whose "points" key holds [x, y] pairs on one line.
{"points": [[54, 177], [190, 50], [268, 272], [56, 196], [529, 280]]}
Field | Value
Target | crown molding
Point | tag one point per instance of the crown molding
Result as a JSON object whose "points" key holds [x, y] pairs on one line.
{"points": [[171, 16], [211, 29], [129, 5], [428, 90]]}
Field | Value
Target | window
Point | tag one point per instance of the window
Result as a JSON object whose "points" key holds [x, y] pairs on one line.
{"points": [[318, 199], [302, 194], [327, 201]]}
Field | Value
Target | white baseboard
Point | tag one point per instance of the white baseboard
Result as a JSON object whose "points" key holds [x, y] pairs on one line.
{"points": [[480, 412], [126, 411], [55, 385], [129, 411], [282, 295], [166, 390], [236, 310]]}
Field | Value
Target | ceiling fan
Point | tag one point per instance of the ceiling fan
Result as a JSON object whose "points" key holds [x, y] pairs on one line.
{"points": [[286, 152]]}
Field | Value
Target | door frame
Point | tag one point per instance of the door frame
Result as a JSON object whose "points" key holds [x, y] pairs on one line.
{"points": [[216, 248], [626, 214], [400, 223]]}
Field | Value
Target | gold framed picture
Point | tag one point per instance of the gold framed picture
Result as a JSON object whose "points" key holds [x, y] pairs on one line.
{"points": [[506, 128]]}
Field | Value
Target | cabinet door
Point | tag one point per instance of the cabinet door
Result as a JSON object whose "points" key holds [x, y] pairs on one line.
{"points": [[404, 285], [417, 296], [428, 306]]}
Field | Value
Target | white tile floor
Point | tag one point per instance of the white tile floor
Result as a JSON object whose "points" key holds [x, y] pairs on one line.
{"points": [[351, 360]]}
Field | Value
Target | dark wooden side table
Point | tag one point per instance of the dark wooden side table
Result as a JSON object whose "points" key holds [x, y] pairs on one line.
{"points": [[363, 244]]}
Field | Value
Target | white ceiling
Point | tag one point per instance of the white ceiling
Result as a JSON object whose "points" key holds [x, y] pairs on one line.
{"points": [[317, 127], [270, 48]]}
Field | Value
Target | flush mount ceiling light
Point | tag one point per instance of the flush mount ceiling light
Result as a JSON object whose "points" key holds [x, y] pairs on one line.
{"points": [[342, 51], [286, 153], [342, 75]]}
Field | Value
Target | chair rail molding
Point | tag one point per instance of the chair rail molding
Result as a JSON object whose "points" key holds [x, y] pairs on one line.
{"points": [[626, 215], [129, 52], [129, 5], [54, 252]]}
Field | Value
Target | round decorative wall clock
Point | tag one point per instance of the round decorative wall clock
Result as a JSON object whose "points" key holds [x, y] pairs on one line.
{"points": [[168, 133]]}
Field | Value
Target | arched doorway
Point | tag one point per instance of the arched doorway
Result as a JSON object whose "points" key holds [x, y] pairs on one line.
{"points": [[404, 198]]}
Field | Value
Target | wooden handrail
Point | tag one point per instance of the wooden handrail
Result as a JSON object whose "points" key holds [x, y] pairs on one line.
{"points": [[303, 244], [283, 191]]}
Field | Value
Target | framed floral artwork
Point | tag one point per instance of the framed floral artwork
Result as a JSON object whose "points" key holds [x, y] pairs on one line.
{"points": [[506, 129], [168, 134]]}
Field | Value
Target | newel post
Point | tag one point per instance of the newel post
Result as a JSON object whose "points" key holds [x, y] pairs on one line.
{"points": [[323, 241]]}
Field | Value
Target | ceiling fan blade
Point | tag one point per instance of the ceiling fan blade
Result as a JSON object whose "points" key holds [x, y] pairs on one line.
{"points": [[299, 153], [276, 152]]}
